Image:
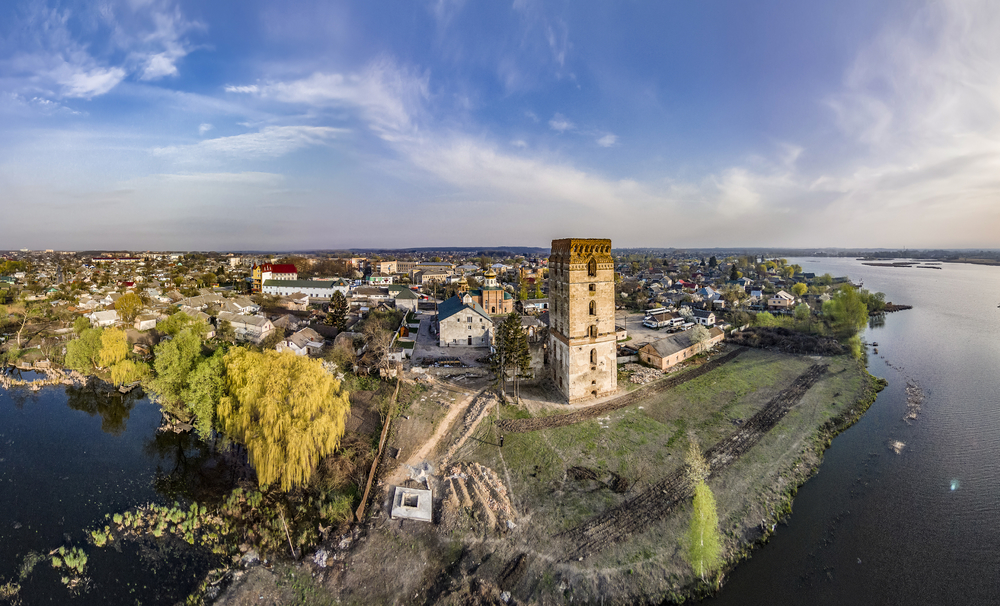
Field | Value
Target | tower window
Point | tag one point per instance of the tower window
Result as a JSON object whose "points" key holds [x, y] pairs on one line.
{"points": [[593, 308], [593, 288], [592, 267], [593, 356], [593, 331]]}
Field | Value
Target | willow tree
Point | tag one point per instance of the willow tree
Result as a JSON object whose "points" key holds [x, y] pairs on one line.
{"points": [[83, 352], [704, 544], [129, 371], [114, 347], [288, 411]]}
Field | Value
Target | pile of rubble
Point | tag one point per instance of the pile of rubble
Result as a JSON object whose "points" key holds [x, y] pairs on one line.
{"points": [[474, 487], [640, 375]]}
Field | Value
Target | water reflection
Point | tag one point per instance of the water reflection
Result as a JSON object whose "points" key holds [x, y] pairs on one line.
{"points": [[876, 321], [195, 469], [114, 408]]}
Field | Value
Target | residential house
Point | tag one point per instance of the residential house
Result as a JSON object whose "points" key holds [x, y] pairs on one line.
{"points": [[303, 343], [676, 348], [145, 322], [287, 322], [100, 319], [405, 298], [704, 317], [248, 328], [295, 302], [372, 293], [781, 301]]}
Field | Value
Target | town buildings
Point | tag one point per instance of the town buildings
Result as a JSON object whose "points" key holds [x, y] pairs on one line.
{"points": [[272, 271]]}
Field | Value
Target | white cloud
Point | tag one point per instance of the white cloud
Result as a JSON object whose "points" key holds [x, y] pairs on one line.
{"points": [[560, 124], [270, 142], [204, 128], [158, 66], [608, 140], [249, 90], [56, 53], [521, 143], [389, 98], [78, 82]]}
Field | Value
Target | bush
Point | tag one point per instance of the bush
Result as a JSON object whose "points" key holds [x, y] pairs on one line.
{"points": [[787, 341]]}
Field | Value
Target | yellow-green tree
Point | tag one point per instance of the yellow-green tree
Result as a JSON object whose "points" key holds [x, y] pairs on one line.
{"points": [[704, 544], [128, 307], [82, 353], [799, 289], [129, 371], [288, 411], [114, 347]]}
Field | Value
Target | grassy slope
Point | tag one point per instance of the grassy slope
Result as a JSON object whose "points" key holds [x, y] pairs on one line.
{"points": [[643, 443]]}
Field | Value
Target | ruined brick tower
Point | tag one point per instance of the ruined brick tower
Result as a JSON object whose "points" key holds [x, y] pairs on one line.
{"points": [[582, 338]]}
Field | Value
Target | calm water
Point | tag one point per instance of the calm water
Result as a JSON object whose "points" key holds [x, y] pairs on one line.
{"points": [[68, 457], [922, 527]]}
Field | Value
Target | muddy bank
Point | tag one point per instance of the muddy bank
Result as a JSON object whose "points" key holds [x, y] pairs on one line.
{"points": [[9, 377]]}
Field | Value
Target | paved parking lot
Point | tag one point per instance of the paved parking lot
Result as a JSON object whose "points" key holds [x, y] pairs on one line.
{"points": [[427, 347], [640, 334]]}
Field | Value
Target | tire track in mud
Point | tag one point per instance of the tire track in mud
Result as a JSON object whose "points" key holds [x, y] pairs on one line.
{"points": [[638, 513], [537, 423]]}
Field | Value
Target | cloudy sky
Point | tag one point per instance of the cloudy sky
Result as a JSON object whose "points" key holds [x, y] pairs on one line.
{"points": [[161, 124]]}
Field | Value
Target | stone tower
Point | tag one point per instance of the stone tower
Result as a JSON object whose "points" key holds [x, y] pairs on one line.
{"points": [[582, 338]]}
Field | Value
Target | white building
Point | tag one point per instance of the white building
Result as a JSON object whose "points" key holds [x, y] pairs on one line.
{"points": [[305, 342], [100, 319], [248, 328], [315, 289]]}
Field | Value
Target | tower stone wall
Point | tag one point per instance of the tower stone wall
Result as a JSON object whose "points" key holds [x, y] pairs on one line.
{"points": [[582, 338]]}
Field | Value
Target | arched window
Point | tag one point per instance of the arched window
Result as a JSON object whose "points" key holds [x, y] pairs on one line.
{"points": [[593, 308], [592, 267], [593, 356]]}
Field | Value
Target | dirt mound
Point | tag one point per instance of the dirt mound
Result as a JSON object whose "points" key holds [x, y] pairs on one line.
{"points": [[534, 424], [477, 492], [640, 375], [787, 341]]}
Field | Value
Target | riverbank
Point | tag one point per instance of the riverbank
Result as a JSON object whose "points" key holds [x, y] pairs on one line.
{"points": [[508, 520]]}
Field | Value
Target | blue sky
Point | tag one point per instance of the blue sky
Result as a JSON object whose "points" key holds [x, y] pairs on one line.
{"points": [[154, 124]]}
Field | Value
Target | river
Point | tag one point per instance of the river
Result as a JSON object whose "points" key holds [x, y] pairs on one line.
{"points": [[919, 527], [69, 456]]}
